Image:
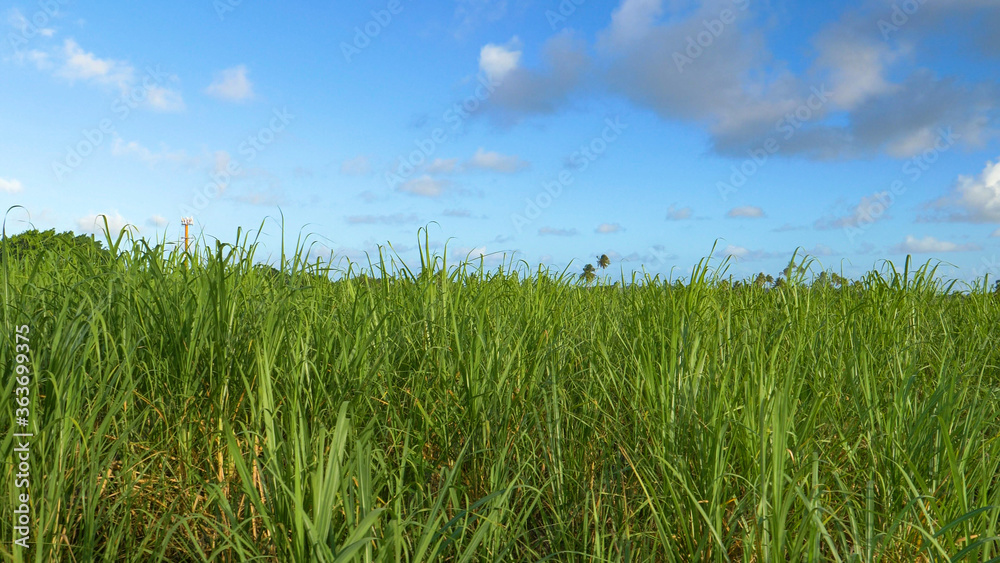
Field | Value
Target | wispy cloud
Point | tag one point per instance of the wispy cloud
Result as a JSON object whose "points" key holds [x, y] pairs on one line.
{"points": [[134, 149], [746, 211], [743, 253], [425, 186], [357, 166], [496, 162], [608, 228], [929, 244], [550, 231], [394, 219], [678, 214], [81, 65]]}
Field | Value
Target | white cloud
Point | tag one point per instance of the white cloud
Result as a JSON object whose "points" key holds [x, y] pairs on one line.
{"points": [[736, 251], [137, 150], [11, 186], [157, 221], [977, 199], [94, 223], [856, 65], [995, 234], [497, 61], [632, 20], [425, 186], [474, 253], [871, 209], [743, 253], [232, 85], [357, 166], [164, 99], [81, 65], [747, 211], [484, 160], [674, 214], [442, 166], [929, 244], [524, 91], [608, 228]]}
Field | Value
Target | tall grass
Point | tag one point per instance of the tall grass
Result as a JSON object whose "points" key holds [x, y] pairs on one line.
{"points": [[228, 412]]}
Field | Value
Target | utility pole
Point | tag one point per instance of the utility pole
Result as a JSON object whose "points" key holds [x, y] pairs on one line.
{"points": [[187, 222]]}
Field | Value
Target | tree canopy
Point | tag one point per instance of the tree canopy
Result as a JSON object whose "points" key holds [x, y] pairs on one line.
{"points": [[29, 244]]}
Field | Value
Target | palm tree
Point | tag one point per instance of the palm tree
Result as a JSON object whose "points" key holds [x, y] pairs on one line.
{"points": [[589, 273], [603, 261]]}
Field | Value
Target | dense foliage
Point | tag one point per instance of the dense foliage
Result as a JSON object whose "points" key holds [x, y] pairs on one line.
{"points": [[225, 411], [67, 246]]}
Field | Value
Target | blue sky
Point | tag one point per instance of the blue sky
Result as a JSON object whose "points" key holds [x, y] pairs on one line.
{"points": [[645, 129]]}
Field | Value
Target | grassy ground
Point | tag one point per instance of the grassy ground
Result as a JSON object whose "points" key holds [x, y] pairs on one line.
{"points": [[230, 413]]}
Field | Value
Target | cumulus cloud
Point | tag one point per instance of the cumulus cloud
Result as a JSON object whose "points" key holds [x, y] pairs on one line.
{"points": [[231, 85], [675, 214], [425, 186], [497, 61], [856, 96], [929, 244], [608, 228], [746, 211], [496, 162], [525, 91], [974, 199], [11, 186]]}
